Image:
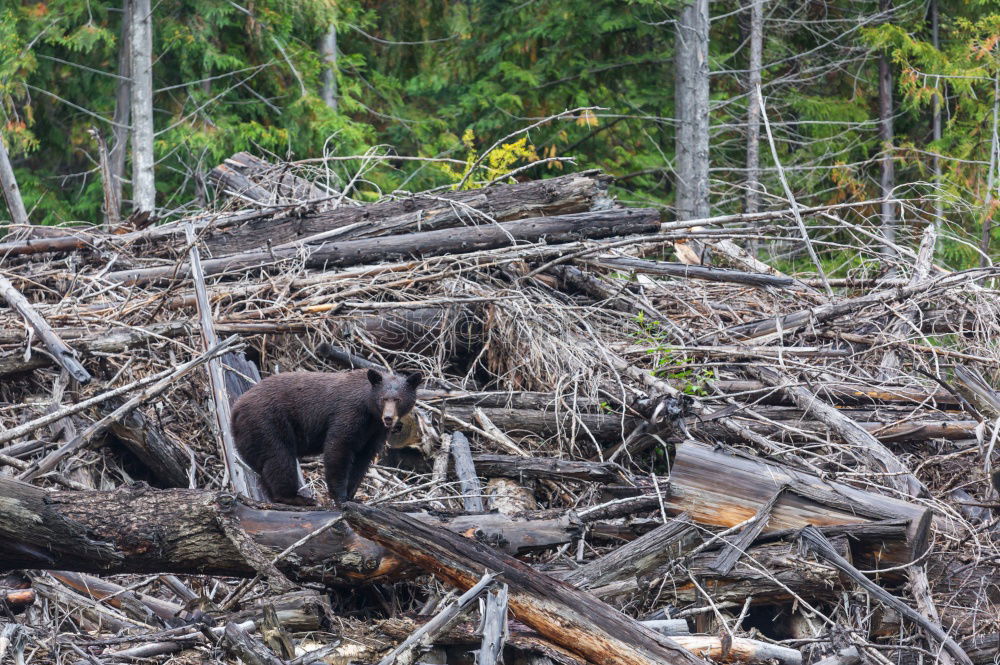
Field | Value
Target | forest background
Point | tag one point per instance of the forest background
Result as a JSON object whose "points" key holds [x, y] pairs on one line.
{"points": [[865, 100]]}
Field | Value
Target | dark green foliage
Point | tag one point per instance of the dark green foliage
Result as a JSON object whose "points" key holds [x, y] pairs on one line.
{"points": [[447, 79]]}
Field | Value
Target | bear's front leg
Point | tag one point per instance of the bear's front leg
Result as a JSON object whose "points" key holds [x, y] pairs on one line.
{"points": [[338, 459], [362, 461]]}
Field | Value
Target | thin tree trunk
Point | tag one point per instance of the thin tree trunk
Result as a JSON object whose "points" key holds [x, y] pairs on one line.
{"points": [[936, 114], [888, 177], [691, 103], [328, 49], [143, 186], [18, 215], [753, 106], [123, 102], [984, 240]]}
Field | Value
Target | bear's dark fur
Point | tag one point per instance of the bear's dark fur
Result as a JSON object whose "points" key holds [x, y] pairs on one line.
{"points": [[345, 415]]}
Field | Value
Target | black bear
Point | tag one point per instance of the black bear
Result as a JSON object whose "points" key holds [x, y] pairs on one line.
{"points": [[345, 415]]}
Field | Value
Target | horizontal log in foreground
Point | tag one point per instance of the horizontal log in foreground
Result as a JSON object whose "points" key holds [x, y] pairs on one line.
{"points": [[554, 230], [136, 529]]}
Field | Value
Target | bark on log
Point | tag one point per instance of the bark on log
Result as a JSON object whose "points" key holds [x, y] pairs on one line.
{"points": [[164, 459], [465, 469], [248, 230], [750, 483], [563, 614], [558, 196], [554, 230], [136, 529], [604, 427]]}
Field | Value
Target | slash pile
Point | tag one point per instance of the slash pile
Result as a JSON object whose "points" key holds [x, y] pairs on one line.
{"points": [[616, 458]]}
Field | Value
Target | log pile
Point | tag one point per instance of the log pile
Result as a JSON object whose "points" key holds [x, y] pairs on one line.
{"points": [[617, 457]]}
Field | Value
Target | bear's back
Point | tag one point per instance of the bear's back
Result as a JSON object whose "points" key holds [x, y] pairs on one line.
{"points": [[303, 400]]}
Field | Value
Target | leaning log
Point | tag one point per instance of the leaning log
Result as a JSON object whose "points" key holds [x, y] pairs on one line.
{"points": [[749, 483], [563, 614], [57, 348], [554, 230], [136, 529]]}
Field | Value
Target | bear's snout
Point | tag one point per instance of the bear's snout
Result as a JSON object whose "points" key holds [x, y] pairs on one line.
{"points": [[390, 416]]}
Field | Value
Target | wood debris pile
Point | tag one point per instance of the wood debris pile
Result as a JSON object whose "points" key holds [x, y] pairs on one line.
{"points": [[616, 458]]}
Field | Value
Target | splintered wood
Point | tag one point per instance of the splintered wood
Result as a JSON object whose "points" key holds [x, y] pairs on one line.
{"points": [[620, 454]]}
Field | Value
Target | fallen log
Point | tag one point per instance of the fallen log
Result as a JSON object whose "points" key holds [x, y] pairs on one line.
{"points": [[666, 542], [250, 229], [512, 466], [554, 230], [248, 176], [768, 574], [686, 271], [749, 483], [605, 427], [818, 543], [565, 615], [136, 529], [573, 193], [62, 354], [841, 393]]}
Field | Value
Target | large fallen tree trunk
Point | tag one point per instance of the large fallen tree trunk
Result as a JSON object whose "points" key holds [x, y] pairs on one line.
{"points": [[561, 613], [554, 230], [250, 229], [423, 212], [750, 483], [137, 529]]}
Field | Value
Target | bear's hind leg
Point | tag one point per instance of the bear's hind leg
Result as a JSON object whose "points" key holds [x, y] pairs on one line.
{"points": [[279, 477]]}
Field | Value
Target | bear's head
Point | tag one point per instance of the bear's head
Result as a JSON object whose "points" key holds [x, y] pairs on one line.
{"points": [[393, 396]]}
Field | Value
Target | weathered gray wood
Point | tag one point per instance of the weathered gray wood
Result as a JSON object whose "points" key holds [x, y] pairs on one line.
{"points": [[750, 483], [49, 462], [818, 543], [143, 161], [403, 654], [686, 271], [787, 578], [493, 626], [513, 466], [239, 643], [144, 439], [666, 542], [876, 455], [11, 193], [465, 469], [240, 478], [555, 230], [568, 194], [61, 353], [563, 614]]}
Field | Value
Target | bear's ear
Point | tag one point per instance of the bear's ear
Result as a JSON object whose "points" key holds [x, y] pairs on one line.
{"points": [[413, 380], [375, 377]]}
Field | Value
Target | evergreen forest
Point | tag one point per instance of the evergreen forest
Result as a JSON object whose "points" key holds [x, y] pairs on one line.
{"points": [[863, 100]]}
